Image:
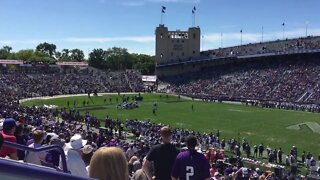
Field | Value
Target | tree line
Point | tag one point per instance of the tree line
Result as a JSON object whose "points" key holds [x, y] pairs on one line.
{"points": [[115, 58]]}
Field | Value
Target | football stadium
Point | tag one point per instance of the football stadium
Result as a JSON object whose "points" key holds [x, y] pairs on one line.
{"points": [[202, 105]]}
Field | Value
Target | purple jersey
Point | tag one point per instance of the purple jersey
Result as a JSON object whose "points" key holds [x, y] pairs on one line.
{"points": [[191, 165]]}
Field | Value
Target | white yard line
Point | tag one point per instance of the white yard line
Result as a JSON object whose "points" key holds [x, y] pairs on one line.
{"points": [[69, 95]]}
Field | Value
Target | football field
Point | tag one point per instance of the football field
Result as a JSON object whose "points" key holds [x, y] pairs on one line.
{"points": [[272, 127]]}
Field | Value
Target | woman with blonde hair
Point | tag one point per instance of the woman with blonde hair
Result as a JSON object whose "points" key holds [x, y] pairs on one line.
{"points": [[109, 163]]}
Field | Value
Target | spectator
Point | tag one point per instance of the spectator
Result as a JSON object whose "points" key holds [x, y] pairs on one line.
{"points": [[109, 163], [130, 164], [75, 163], [163, 157], [53, 156], [20, 140], [140, 174], [36, 157], [191, 164], [87, 153], [9, 126]]}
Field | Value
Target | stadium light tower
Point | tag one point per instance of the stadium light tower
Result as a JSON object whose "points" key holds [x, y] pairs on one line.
{"points": [[284, 29], [202, 42], [241, 37], [262, 34], [221, 45], [307, 23]]}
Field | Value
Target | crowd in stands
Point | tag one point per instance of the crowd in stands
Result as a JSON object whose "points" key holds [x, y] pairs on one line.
{"points": [[291, 84], [279, 46], [40, 126], [156, 151], [132, 77], [287, 46], [48, 83]]}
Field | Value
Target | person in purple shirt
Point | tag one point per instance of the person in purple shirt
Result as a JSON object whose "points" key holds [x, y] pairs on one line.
{"points": [[191, 165]]}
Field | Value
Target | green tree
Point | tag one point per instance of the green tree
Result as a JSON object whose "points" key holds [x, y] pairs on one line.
{"points": [[58, 55], [40, 56], [118, 59], [7, 48], [65, 55], [12, 56], [5, 52], [46, 48], [77, 55], [144, 63], [25, 54], [97, 59]]}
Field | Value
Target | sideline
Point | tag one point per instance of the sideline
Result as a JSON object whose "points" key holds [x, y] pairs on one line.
{"points": [[101, 94], [69, 95]]}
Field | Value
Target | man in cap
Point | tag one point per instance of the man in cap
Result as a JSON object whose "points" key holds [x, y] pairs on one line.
{"points": [[191, 164], [8, 129], [75, 163], [162, 155]]}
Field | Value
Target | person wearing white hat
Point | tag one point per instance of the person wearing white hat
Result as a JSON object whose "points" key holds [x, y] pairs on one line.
{"points": [[74, 160]]}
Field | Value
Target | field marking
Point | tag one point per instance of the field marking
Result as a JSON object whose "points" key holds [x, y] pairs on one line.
{"points": [[239, 110], [71, 95], [313, 126]]}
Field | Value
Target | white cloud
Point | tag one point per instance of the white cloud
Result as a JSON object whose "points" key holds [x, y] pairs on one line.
{"points": [[175, 1], [235, 37], [144, 2], [226, 26], [252, 37], [12, 42], [133, 3], [138, 39], [210, 41]]}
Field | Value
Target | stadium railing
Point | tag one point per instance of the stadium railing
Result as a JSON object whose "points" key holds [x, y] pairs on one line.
{"points": [[11, 169], [204, 59]]}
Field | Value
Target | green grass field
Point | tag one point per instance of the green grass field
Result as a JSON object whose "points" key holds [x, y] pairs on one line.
{"points": [[268, 126]]}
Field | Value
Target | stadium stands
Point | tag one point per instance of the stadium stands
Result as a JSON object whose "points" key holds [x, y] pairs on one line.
{"points": [[279, 46], [48, 83], [271, 82], [285, 81]]}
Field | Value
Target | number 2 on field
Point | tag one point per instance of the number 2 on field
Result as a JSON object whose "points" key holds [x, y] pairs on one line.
{"points": [[190, 172]]}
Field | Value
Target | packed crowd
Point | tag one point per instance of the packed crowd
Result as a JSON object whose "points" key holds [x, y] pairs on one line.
{"points": [[156, 151], [40, 126], [275, 83], [84, 146], [213, 147], [132, 76], [48, 83], [279, 46]]}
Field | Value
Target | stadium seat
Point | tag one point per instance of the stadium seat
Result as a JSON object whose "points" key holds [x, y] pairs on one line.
{"points": [[15, 170]]}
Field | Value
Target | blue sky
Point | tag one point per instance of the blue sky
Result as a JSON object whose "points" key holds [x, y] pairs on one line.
{"points": [[89, 24]]}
